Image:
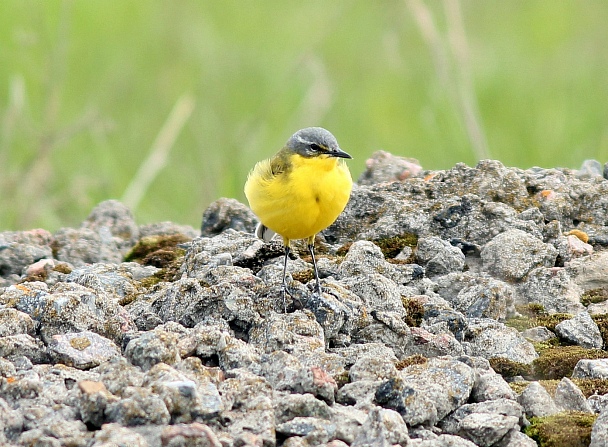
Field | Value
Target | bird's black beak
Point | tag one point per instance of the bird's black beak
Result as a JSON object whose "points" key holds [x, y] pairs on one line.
{"points": [[339, 153]]}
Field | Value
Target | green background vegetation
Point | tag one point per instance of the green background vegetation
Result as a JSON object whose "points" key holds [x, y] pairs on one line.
{"points": [[87, 87]]}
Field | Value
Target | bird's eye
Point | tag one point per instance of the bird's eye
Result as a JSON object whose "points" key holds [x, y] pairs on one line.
{"points": [[315, 147]]}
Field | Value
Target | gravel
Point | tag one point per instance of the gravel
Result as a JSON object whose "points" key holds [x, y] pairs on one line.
{"points": [[118, 334]]}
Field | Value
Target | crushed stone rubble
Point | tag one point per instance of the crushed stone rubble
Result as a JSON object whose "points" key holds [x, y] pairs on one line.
{"points": [[115, 333]]}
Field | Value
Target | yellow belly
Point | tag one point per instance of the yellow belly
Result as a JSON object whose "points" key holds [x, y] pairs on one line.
{"points": [[300, 203]]}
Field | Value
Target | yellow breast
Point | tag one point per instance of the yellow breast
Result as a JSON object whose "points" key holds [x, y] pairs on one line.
{"points": [[304, 199]]}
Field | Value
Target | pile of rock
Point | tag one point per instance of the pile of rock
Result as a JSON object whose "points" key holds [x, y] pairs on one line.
{"points": [[119, 334]]}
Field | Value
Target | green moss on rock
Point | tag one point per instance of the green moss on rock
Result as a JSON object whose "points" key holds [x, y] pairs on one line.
{"points": [[556, 362], [415, 311], [602, 324], [594, 296], [158, 251], [415, 359], [567, 429], [509, 368], [392, 246]]}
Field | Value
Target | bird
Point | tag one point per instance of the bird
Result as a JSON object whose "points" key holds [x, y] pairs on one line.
{"points": [[300, 191]]}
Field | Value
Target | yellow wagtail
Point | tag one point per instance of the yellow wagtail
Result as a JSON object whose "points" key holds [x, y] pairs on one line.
{"points": [[300, 191]]}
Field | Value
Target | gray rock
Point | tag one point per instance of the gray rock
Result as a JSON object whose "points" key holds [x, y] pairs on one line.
{"points": [[478, 296], [184, 435], [310, 428], [337, 311], [114, 434], [93, 400], [538, 334], [438, 318], [599, 432], [296, 333], [598, 403], [414, 406], [351, 353], [82, 350], [570, 247], [15, 346], [429, 344], [487, 338], [234, 353], [360, 394], [289, 406], [286, 372], [7, 369], [216, 346], [590, 168], [14, 322], [85, 246], [514, 253], [490, 386], [383, 427], [391, 331], [424, 394], [241, 387], [553, 288], [118, 373], [227, 213], [70, 307], [241, 249], [349, 421], [516, 438], [255, 417], [11, 421], [153, 347], [569, 397], [116, 280], [376, 291], [138, 406], [18, 249], [439, 256], [372, 368], [591, 369], [581, 330], [590, 272], [385, 167], [484, 423], [365, 258], [167, 229], [442, 441], [186, 399], [536, 401]]}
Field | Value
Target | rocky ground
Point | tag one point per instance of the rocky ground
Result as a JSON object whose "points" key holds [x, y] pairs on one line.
{"points": [[462, 308]]}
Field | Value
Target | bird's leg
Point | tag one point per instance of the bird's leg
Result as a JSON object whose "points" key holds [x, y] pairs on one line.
{"points": [[284, 285], [311, 248]]}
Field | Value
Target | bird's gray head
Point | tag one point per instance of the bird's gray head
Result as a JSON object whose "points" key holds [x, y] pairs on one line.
{"points": [[315, 141]]}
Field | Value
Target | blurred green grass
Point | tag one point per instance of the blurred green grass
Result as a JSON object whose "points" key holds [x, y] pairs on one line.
{"points": [[86, 87]]}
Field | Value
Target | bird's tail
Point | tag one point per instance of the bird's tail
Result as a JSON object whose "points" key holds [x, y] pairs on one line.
{"points": [[263, 232]]}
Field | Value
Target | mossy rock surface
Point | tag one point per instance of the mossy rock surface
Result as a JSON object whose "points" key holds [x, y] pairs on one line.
{"points": [[594, 296], [392, 246], [568, 429], [556, 362], [509, 368], [415, 359], [158, 251], [533, 315], [415, 311]]}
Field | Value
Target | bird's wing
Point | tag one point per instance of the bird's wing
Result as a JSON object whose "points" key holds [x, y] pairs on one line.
{"points": [[279, 164]]}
